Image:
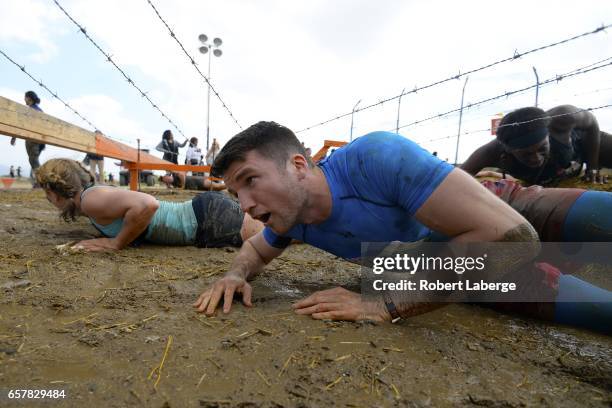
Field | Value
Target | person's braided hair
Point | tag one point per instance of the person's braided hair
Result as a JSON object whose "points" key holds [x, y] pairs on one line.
{"points": [[65, 178]]}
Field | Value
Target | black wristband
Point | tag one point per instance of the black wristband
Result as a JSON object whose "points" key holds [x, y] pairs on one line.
{"points": [[395, 316]]}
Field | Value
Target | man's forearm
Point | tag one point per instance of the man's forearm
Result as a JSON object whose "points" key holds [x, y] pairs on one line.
{"points": [[408, 309], [521, 233], [248, 263], [523, 247]]}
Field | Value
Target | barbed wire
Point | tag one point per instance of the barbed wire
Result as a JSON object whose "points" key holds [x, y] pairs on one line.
{"points": [[416, 89], [517, 123], [194, 64], [56, 96], [590, 65], [557, 78], [42, 85], [564, 99], [473, 118], [110, 60]]}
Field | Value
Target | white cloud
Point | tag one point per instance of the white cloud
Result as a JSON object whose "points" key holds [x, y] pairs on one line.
{"points": [[30, 22]]}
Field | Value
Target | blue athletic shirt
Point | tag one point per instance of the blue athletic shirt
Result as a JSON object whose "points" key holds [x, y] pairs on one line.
{"points": [[377, 183]]}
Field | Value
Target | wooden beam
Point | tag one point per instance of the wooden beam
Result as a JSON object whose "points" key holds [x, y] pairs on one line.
{"points": [[17, 120]]}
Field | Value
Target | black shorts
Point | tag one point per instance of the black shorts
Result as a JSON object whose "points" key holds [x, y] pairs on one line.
{"points": [[194, 183], [219, 220]]}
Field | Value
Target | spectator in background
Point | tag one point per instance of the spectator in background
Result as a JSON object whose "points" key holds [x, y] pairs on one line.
{"points": [[95, 160], [170, 147], [194, 153], [18, 171], [212, 152], [544, 147], [12, 172], [32, 148]]}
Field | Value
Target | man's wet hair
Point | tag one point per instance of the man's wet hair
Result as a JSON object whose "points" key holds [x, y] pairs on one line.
{"points": [[269, 139], [535, 118]]}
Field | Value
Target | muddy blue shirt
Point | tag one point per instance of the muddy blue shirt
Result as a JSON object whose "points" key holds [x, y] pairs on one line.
{"points": [[377, 183]]}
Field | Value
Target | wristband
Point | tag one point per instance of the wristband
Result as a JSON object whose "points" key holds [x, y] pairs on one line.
{"points": [[395, 316]]}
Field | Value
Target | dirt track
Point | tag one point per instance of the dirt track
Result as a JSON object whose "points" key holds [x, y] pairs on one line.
{"points": [[97, 325]]}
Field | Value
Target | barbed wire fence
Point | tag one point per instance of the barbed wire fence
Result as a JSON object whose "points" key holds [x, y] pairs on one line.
{"points": [[556, 101], [459, 75], [557, 78], [194, 64], [54, 94], [489, 129], [579, 71], [110, 60]]}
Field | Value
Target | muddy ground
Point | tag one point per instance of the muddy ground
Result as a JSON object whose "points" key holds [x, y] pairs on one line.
{"points": [[98, 325]]}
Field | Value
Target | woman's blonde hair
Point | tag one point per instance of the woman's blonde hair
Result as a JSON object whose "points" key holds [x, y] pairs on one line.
{"points": [[65, 178]]}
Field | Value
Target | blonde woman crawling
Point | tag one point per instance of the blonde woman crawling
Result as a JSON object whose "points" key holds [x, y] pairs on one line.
{"points": [[210, 219]]}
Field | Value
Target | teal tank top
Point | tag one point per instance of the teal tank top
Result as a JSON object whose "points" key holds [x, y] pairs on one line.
{"points": [[172, 224]]}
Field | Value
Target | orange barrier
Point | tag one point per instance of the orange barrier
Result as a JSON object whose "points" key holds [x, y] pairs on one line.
{"points": [[7, 182], [17, 120], [326, 145]]}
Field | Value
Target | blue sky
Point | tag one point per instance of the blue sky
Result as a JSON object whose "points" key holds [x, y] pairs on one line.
{"points": [[299, 62]]}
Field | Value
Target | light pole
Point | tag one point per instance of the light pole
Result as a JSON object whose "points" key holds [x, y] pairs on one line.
{"points": [[214, 48], [353, 114]]}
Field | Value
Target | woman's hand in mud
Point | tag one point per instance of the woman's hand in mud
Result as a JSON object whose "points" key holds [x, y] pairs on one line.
{"points": [[97, 245], [341, 304], [225, 287]]}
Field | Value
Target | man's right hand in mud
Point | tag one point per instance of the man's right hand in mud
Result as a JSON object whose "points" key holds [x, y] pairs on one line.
{"points": [[224, 288], [254, 254]]}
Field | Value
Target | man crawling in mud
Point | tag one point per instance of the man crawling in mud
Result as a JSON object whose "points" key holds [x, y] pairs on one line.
{"points": [[379, 188], [182, 180], [210, 219], [543, 147]]}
